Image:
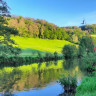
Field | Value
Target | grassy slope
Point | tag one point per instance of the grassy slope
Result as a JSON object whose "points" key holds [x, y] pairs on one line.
{"points": [[44, 45]]}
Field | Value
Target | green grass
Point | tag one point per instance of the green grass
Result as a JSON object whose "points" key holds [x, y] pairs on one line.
{"points": [[31, 52], [87, 87], [93, 35], [44, 45]]}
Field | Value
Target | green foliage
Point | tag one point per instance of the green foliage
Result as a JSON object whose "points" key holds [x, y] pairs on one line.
{"points": [[85, 45], [91, 28], [4, 9], [9, 79], [69, 51], [29, 27], [8, 51], [6, 42], [6, 47], [88, 84], [69, 83], [87, 87], [55, 55], [94, 40], [48, 56], [40, 57], [5, 34], [88, 62]]}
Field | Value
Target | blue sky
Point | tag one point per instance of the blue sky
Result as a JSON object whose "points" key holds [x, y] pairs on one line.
{"points": [[59, 12]]}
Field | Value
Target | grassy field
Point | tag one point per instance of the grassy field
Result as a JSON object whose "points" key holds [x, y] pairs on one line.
{"points": [[93, 35], [31, 45]]}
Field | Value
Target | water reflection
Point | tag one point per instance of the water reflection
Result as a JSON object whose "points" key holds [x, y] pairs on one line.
{"points": [[69, 64], [36, 76], [8, 94], [67, 94]]}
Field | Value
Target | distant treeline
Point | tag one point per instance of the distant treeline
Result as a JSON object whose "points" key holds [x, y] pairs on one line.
{"points": [[29, 27], [36, 28], [89, 28]]}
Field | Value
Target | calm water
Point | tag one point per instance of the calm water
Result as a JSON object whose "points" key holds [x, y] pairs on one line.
{"points": [[37, 79]]}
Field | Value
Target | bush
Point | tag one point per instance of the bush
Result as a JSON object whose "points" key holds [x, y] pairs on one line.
{"points": [[69, 83], [48, 56], [9, 50], [40, 57], [69, 51], [55, 55]]}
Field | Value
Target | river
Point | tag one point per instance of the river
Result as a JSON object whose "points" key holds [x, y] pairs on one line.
{"points": [[38, 79]]}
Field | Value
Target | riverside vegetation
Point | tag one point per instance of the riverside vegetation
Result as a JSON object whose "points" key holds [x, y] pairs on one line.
{"points": [[87, 63], [69, 83]]}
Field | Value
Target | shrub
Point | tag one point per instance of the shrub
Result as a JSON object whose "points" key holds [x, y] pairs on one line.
{"points": [[69, 83], [40, 57], [55, 55], [48, 56], [69, 51]]}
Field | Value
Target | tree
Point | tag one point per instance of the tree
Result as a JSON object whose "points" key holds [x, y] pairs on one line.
{"points": [[69, 51], [85, 45], [6, 43], [55, 55], [4, 8]]}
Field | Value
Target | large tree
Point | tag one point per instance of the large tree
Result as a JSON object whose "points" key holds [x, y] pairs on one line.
{"points": [[4, 9], [6, 43]]}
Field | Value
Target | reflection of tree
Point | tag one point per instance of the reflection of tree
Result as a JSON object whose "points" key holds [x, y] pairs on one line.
{"points": [[69, 64], [55, 62], [82, 65], [67, 94], [33, 76], [8, 94], [39, 65], [47, 64], [7, 80]]}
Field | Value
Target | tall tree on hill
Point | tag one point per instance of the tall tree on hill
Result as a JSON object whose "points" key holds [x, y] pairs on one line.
{"points": [[4, 9], [6, 42]]}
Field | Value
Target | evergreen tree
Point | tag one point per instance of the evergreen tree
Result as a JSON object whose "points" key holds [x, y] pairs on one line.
{"points": [[4, 9], [6, 43]]}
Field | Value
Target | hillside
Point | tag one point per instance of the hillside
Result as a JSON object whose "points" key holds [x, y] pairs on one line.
{"points": [[36, 28], [35, 44]]}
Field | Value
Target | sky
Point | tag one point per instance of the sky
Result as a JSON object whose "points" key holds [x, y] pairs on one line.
{"points": [[60, 12]]}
